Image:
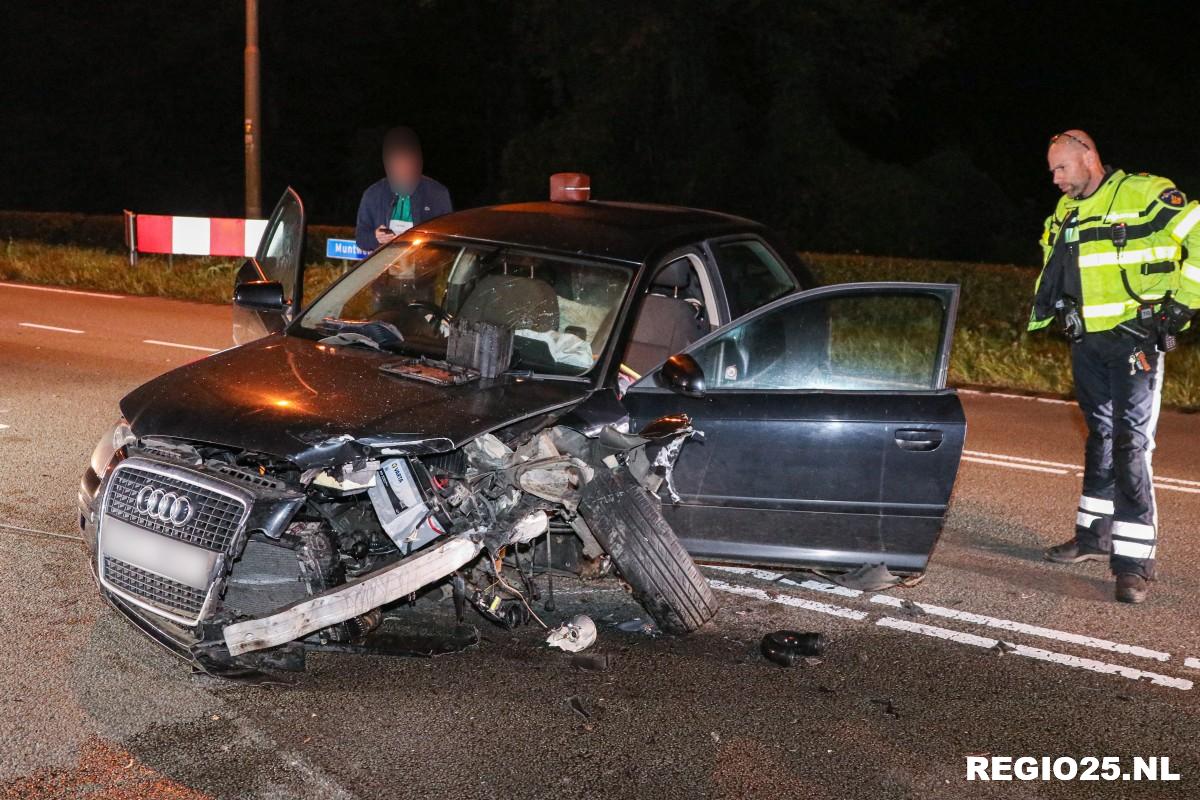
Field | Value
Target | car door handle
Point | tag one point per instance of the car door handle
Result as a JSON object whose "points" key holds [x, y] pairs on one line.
{"points": [[917, 440]]}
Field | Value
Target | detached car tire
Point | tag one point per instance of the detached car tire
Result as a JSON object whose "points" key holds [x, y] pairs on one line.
{"points": [[628, 523]]}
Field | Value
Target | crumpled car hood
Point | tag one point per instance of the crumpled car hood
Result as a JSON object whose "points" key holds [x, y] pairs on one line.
{"points": [[318, 405]]}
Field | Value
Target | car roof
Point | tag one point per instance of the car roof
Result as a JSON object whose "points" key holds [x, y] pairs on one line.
{"points": [[631, 232]]}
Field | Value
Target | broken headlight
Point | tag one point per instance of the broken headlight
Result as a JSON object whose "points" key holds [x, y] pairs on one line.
{"points": [[110, 443]]}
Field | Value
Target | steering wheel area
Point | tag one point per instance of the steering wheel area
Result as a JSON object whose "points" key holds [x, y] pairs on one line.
{"points": [[439, 314]]}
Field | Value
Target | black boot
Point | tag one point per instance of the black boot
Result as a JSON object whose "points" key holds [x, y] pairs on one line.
{"points": [[1131, 588], [1072, 552]]}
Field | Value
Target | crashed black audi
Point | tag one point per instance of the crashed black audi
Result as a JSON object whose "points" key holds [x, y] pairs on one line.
{"points": [[511, 391]]}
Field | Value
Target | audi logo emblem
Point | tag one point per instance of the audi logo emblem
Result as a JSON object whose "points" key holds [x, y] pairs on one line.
{"points": [[174, 509]]}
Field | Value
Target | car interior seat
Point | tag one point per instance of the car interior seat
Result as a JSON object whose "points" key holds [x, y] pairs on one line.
{"points": [[514, 301], [668, 321]]}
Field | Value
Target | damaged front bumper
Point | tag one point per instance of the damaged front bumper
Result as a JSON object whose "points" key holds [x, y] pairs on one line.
{"points": [[354, 599]]}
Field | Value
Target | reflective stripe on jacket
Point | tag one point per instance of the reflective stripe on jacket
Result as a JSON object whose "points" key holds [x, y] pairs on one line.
{"points": [[1161, 251]]}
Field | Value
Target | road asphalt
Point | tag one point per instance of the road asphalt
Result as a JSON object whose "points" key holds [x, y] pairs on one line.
{"points": [[996, 652]]}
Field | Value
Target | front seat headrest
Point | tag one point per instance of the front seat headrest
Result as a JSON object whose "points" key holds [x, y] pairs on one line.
{"points": [[676, 275]]}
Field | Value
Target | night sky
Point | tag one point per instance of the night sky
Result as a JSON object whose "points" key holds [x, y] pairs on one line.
{"points": [[888, 127]]}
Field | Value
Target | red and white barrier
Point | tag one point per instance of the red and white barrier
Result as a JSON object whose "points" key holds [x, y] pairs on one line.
{"points": [[192, 236]]}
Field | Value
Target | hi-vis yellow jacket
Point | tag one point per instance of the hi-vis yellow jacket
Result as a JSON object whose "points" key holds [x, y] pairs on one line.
{"points": [[1161, 250]]}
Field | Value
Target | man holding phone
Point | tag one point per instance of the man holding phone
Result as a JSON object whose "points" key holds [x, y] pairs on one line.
{"points": [[403, 198]]}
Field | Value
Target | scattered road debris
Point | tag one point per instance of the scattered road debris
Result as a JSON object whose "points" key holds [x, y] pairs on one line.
{"points": [[576, 704], [573, 636], [638, 625], [591, 662], [788, 648], [889, 707], [866, 578]]}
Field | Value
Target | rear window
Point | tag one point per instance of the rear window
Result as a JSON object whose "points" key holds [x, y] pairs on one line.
{"points": [[752, 274]]}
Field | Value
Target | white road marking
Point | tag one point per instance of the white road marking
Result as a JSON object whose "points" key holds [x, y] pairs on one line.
{"points": [[950, 613], [2, 426], [1014, 465], [827, 588], [961, 637], [1036, 652], [787, 600], [1172, 487], [761, 574], [1032, 630], [182, 346], [61, 291], [767, 575], [1060, 468], [1020, 459], [1177, 480], [48, 327], [20, 530]]}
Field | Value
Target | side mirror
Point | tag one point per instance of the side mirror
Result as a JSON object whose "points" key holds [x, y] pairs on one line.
{"points": [[260, 295], [248, 271], [682, 375]]}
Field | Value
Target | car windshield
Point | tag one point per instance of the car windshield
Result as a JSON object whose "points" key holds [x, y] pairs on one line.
{"points": [[405, 298]]}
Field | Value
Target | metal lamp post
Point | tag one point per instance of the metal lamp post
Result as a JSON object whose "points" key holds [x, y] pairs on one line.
{"points": [[253, 114]]}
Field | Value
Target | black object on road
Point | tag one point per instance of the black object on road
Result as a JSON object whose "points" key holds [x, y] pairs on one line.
{"points": [[786, 648], [591, 662]]}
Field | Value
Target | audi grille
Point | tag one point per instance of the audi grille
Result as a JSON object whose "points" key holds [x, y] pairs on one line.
{"points": [[165, 535]]}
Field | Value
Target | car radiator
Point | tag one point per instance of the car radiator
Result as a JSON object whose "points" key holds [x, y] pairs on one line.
{"points": [[266, 578]]}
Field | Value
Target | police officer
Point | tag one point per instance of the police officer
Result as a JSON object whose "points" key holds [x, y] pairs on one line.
{"points": [[1121, 275]]}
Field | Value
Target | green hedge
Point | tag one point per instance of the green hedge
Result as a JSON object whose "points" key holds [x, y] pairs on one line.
{"points": [[107, 231]]}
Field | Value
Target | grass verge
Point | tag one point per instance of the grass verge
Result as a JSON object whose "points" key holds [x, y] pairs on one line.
{"points": [[206, 280], [991, 347]]}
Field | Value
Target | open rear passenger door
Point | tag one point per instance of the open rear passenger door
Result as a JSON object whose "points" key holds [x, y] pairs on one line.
{"points": [[268, 289], [831, 439]]}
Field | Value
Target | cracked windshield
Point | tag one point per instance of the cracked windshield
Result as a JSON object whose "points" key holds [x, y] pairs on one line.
{"points": [[409, 296]]}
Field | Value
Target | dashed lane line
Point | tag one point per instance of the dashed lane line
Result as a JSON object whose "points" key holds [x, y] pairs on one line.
{"points": [[787, 600], [1014, 465], [767, 575], [957, 614], [827, 588], [1009, 648], [61, 291], [1060, 468], [1021, 627], [161, 343], [1020, 459], [54, 328]]}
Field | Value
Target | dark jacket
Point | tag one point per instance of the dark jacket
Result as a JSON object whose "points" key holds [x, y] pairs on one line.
{"points": [[430, 200]]}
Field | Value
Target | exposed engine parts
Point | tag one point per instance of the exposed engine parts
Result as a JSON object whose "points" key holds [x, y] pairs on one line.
{"points": [[322, 555]]}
